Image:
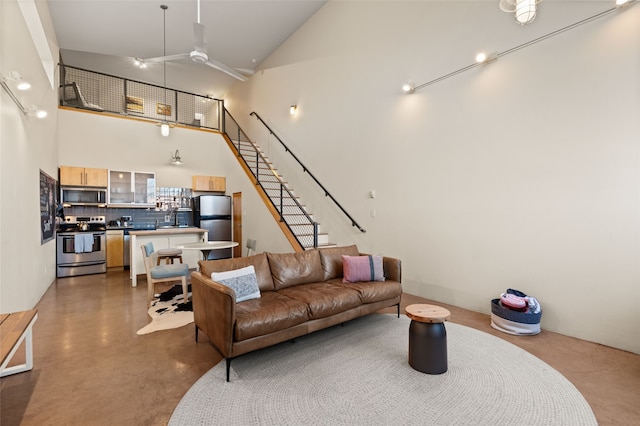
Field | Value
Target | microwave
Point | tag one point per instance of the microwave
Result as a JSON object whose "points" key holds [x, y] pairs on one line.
{"points": [[83, 196]]}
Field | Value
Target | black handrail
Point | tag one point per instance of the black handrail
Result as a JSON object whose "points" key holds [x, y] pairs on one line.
{"points": [[306, 170]]}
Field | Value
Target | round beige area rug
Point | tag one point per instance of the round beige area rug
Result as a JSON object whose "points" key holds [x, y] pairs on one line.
{"points": [[358, 374]]}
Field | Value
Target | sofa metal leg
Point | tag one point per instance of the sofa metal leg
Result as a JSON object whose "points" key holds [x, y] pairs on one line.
{"points": [[398, 306], [228, 367], [196, 333]]}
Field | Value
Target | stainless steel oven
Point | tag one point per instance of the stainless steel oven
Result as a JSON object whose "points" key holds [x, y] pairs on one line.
{"points": [[81, 246]]}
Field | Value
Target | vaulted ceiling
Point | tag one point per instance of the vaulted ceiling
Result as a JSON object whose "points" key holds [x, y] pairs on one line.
{"points": [[106, 36]]}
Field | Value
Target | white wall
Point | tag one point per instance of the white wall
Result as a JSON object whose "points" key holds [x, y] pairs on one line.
{"points": [[27, 145], [523, 173], [97, 140]]}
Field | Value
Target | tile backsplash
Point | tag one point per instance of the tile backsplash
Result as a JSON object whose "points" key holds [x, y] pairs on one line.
{"points": [[167, 199], [141, 217]]}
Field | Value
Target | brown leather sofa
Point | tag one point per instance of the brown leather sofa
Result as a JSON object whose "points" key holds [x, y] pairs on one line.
{"points": [[299, 293]]}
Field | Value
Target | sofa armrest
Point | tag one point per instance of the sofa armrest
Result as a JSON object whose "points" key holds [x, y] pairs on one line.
{"points": [[214, 311], [392, 268]]}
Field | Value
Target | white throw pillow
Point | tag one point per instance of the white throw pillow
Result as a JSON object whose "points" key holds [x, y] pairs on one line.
{"points": [[243, 281]]}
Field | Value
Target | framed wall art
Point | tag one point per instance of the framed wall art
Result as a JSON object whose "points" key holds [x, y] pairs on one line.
{"points": [[135, 104], [48, 201], [163, 109]]}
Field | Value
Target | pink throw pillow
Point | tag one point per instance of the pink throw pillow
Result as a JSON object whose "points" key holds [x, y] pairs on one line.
{"points": [[362, 268]]}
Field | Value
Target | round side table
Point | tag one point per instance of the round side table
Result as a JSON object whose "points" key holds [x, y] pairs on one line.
{"points": [[428, 338]]}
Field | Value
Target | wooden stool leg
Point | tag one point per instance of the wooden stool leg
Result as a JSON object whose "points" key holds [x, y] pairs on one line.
{"points": [[185, 290], [180, 257]]}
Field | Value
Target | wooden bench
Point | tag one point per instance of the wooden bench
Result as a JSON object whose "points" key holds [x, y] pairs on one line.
{"points": [[14, 329]]}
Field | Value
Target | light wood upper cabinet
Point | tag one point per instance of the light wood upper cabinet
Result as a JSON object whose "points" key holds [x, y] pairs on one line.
{"points": [[209, 183], [82, 176]]}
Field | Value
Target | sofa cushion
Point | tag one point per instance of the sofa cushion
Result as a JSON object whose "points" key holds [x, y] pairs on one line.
{"points": [[289, 269], [372, 291], [362, 268], [270, 313], [331, 260], [243, 282], [259, 262], [323, 299]]}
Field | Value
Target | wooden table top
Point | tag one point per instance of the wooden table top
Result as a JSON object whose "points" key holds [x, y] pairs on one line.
{"points": [[208, 245], [427, 313], [12, 326]]}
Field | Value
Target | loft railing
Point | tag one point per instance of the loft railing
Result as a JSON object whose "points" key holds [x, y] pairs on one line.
{"points": [[95, 91], [306, 170], [291, 212]]}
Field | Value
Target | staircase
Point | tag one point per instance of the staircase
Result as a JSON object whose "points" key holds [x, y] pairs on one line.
{"points": [[296, 222], [290, 209]]}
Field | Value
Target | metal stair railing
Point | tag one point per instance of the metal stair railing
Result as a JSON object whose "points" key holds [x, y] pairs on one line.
{"points": [[291, 213], [306, 170]]}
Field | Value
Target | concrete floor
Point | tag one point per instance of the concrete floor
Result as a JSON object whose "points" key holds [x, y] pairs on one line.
{"points": [[91, 367]]}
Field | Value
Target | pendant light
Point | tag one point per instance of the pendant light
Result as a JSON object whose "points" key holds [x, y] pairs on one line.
{"points": [[164, 126], [523, 10]]}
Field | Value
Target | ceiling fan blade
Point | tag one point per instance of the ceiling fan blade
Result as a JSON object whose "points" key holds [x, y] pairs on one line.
{"points": [[199, 37], [225, 69], [246, 71], [167, 58]]}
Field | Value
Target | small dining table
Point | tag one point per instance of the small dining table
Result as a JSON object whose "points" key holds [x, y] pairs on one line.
{"points": [[207, 246]]}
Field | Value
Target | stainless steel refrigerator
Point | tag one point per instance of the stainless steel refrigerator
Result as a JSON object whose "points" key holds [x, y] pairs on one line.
{"points": [[213, 213]]}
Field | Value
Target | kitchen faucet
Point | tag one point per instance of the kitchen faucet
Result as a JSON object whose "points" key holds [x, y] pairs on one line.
{"points": [[175, 217]]}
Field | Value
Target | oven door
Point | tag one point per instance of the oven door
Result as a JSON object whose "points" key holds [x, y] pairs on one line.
{"points": [[69, 251]]}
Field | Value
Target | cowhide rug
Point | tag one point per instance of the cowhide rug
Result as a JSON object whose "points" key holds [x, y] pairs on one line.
{"points": [[168, 310]]}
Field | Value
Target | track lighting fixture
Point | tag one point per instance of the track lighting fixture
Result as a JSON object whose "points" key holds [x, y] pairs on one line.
{"points": [[408, 87], [20, 84]]}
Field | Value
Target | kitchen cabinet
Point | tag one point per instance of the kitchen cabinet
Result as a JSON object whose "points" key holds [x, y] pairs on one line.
{"points": [[209, 183], [82, 176], [132, 189], [115, 248]]}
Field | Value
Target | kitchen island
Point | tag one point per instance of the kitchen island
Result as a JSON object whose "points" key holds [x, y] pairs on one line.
{"points": [[164, 238]]}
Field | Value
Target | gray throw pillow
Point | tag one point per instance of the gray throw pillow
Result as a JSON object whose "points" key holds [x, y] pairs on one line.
{"points": [[243, 282]]}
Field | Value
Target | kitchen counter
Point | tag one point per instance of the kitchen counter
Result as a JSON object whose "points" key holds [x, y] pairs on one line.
{"points": [[170, 230], [164, 238]]}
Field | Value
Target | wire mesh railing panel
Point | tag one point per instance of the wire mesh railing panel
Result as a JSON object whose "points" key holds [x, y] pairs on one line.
{"points": [[233, 130], [198, 111], [86, 90], [95, 91], [152, 102]]}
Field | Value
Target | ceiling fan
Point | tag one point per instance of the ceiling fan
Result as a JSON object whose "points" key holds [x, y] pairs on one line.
{"points": [[199, 53]]}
